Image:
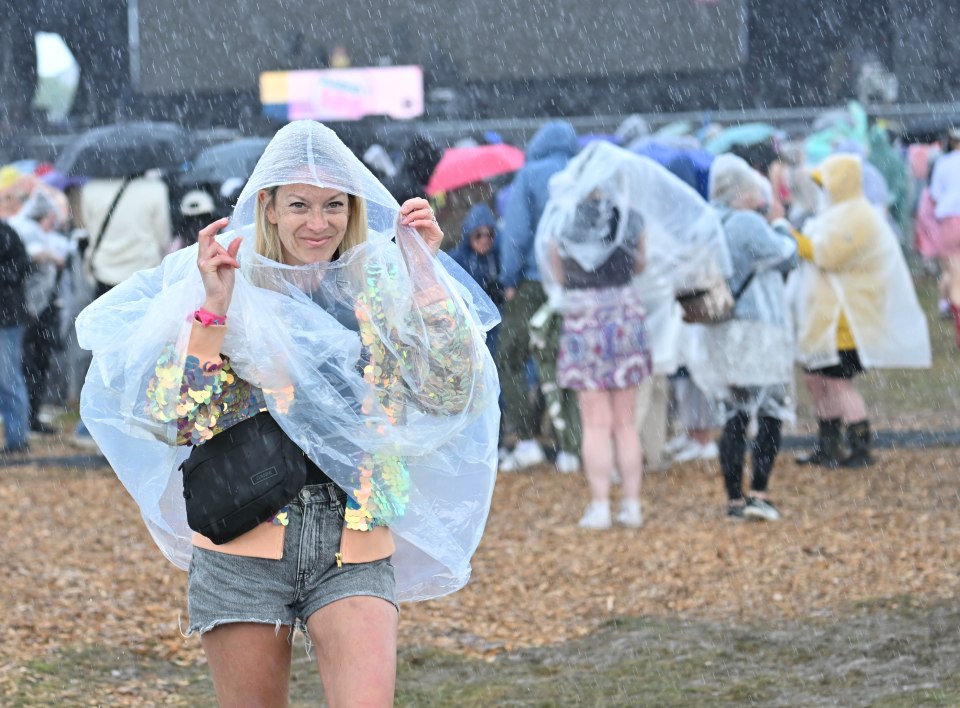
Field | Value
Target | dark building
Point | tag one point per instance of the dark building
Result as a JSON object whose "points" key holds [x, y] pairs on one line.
{"points": [[96, 33], [199, 62]]}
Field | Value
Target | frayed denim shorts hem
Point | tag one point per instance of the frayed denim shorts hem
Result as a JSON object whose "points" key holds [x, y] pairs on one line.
{"points": [[229, 589]]}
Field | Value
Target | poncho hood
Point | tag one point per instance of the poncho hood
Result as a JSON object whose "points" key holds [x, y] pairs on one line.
{"points": [[841, 177]]}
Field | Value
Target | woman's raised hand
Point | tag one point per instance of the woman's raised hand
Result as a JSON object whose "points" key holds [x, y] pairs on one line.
{"points": [[216, 265], [417, 213]]}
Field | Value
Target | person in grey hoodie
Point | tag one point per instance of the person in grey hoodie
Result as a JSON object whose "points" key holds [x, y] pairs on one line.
{"points": [[547, 153]]}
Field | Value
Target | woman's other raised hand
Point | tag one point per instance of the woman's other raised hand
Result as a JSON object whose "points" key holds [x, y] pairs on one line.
{"points": [[417, 213]]}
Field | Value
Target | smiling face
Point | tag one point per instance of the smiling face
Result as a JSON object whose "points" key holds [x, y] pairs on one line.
{"points": [[311, 221]]}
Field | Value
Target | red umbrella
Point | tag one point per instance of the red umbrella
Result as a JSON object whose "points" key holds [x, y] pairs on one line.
{"points": [[462, 166]]}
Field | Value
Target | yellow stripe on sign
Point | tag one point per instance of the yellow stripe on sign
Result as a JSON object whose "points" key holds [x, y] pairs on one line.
{"points": [[274, 87]]}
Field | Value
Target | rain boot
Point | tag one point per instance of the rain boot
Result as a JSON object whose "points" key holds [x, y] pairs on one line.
{"points": [[858, 434], [955, 309], [826, 450]]}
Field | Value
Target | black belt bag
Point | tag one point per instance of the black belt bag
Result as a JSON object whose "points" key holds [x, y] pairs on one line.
{"points": [[241, 477]]}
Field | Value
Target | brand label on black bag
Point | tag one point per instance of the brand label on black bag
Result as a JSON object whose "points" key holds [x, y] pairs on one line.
{"points": [[264, 475]]}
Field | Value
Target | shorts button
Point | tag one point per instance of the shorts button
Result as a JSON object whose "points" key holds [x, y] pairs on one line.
{"points": [[305, 493]]}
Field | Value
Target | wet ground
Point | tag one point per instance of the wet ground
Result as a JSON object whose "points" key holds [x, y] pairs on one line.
{"points": [[852, 600], [899, 652]]}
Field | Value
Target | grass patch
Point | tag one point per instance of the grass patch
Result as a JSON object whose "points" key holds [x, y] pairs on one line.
{"points": [[863, 657]]}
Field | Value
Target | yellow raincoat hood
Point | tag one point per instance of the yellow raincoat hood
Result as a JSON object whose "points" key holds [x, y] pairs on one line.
{"points": [[841, 177]]}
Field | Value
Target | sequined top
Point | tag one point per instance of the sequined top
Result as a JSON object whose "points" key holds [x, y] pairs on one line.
{"points": [[205, 396]]}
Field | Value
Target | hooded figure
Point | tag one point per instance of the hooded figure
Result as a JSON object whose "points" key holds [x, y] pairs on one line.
{"points": [[612, 216], [478, 253], [371, 360], [857, 309], [599, 204], [747, 362], [548, 152], [859, 295], [754, 350], [478, 250]]}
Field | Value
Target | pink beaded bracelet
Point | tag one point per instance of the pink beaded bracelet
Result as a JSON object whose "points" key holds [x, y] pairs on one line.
{"points": [[207, 318]]}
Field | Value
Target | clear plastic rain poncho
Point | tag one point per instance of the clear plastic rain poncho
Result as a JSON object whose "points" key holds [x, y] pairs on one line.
{"points": [[357, 370], [685, 249], [747, 362]]}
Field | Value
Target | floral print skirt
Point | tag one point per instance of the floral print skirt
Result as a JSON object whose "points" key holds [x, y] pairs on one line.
{"points": [[603, 344]]}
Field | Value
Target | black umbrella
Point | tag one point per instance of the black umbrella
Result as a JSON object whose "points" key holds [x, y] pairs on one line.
{"points": [[215, 165], [126, 149]]}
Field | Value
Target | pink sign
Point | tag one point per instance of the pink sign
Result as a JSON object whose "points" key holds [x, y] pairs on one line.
{"points": [[352, 94]]}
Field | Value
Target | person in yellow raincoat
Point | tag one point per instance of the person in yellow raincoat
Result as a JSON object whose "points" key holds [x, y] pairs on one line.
{"points": [[857, 310]]}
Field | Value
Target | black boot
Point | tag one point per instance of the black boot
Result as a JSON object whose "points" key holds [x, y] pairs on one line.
{"points": [[826, 450], [859, 437]]}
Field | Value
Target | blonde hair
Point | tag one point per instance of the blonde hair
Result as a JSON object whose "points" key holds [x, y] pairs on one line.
{"points": [[267, 242]]}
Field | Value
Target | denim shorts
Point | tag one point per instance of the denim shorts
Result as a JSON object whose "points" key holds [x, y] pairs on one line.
{"points": [[224, 588]]}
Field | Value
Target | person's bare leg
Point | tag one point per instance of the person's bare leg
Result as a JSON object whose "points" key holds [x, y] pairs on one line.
{"points": [[953, 279], [596, 419], [356, 646], [250, 664], [627, 442], [825, 396], [852, 407]]}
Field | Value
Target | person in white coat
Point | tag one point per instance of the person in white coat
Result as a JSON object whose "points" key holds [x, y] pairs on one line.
{"points": [[137, 234]]}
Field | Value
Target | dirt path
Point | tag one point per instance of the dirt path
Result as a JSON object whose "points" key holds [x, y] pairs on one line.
{"points": [[92, 607]]}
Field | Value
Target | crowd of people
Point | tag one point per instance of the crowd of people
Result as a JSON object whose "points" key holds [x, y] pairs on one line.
{"points": [[673, 390], [319, 340], [809, 249], [66, 240]]}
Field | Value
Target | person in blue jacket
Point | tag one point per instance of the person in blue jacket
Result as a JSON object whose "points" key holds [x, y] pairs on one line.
{"points": [[478, 254], [547, 153]]}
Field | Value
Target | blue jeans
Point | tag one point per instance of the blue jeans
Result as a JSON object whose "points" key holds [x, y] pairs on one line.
{"points": [[14, 404]]}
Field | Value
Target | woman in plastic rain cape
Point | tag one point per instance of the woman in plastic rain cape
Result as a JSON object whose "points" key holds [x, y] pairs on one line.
{"points": [[620, 236], [746, 363], [755, 349], [355, 397]]}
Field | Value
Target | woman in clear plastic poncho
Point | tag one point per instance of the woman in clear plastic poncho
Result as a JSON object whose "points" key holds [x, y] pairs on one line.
{"points": [[366, 346], [613, 215], [746, 363]]}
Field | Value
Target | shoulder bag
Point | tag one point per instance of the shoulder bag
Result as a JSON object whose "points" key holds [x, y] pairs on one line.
{"points": [[713, 304], [241, 477]]}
